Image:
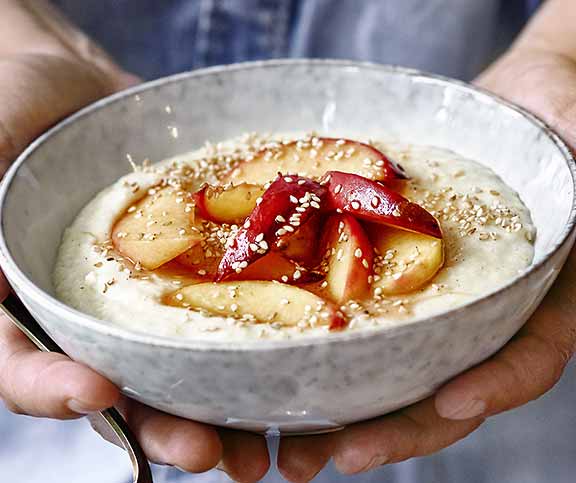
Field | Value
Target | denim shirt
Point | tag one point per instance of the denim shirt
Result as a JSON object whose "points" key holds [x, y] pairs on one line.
{"points": [[159, 37]]}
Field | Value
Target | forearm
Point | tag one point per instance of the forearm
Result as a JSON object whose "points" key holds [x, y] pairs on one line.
{"points": [[553, 29]]}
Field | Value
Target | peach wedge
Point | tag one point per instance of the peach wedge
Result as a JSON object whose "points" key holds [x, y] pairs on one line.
{"points": [[348, 262], [410, 260], [230, 204], [157, 229], [313, 157], [266, 302]]}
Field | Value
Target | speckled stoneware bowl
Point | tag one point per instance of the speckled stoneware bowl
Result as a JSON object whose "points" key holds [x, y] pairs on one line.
{"points": [[302, 385]]}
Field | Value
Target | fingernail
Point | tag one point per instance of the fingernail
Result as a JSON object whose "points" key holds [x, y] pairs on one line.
{"points": [[79, 407], [467, 410], [351, 467]]}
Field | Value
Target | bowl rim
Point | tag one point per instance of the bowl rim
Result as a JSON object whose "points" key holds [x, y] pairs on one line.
{"points": [[22, 283]]}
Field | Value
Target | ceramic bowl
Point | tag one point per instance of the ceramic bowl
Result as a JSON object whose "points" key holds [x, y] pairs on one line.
{"points": [[299, 385]]}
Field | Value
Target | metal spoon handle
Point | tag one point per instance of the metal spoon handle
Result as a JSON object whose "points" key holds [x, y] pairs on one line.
{"points": [[19, 315]]}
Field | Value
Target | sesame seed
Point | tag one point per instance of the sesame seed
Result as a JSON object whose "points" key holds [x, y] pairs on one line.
{"points": [[293, 199], [179, 296], [259, 237], [280, 219], [365, 263], [297, 274], [358, 253], [355, 205], [202, 272], [338, 189], [375, 201], [284, 278]]}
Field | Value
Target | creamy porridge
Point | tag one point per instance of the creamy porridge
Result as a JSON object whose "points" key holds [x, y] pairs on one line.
{"points": [[370, 271]]}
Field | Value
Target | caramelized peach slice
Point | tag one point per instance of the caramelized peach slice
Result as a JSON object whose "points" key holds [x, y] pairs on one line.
{"points": [[302, 246], [195, 258], [272, 266], [289, 202], [264, 302], [372, 201], [348, 262], [407, 261], [158, 228], [230, 204], [313, 157]]}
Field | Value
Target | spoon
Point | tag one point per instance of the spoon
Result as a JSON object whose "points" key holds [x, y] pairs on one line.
{"points": [[19, 315]]}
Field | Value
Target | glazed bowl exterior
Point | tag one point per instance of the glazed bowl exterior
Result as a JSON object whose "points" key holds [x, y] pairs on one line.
{"points": [[300, 385]]}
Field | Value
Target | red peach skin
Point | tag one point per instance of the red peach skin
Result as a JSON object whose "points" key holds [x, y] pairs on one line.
{"points": [[287, 197], [372, 201]]}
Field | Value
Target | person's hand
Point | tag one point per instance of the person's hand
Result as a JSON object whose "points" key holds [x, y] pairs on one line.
{"points": [[528, 366], [42, 80]]}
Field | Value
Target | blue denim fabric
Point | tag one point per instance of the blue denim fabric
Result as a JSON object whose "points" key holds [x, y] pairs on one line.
{"points": [[158, 37]]}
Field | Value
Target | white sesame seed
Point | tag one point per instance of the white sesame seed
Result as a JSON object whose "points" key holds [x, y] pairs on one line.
{"points": [[280, 219], [259, 237], [293, 199], [338, 189], [358, 253], [355, 205]]}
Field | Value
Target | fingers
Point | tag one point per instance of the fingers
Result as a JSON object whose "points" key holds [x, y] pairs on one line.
{"points": [[47, 384], [414, 431], [245, 456], [301, 458], [167, 439], [526, 368]]}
